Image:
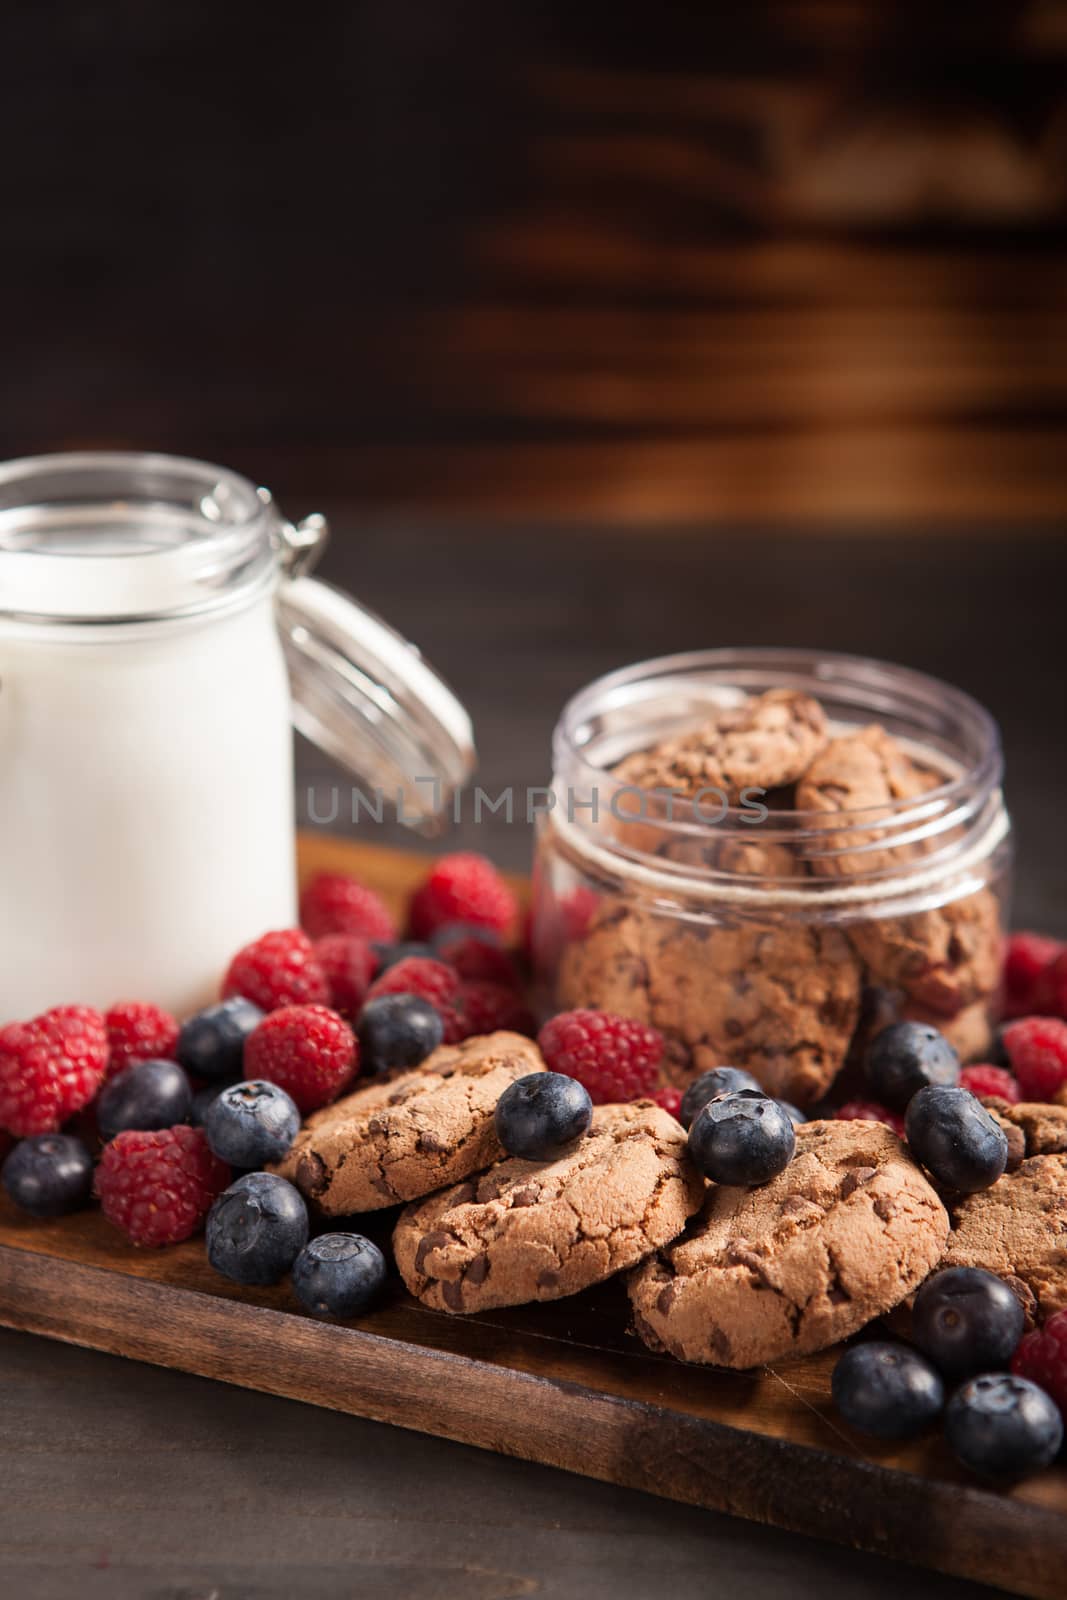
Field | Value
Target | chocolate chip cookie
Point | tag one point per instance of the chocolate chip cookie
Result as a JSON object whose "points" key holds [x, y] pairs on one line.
{"points": [[529, 1230], [766, 742], [781, 999], [839, 1237], [865, 771], [1041, 1128], [410, 1134], [943, 959], [1018, 1229]]}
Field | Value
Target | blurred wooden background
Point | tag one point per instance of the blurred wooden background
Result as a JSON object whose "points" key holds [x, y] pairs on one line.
{"points": [[783, 261]]}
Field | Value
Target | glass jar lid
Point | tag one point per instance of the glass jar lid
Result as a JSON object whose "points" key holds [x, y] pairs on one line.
{"points": [[349, 671], [125, 544]]}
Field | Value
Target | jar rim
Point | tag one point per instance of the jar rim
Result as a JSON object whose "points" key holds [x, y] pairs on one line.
{"points": [[93, 538], [832, 671], [868, 851]]}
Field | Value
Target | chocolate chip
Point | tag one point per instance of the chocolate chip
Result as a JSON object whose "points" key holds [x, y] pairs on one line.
{"points": [[666, 1298], [453, 1295], [478, 1270], [431, 1241], [525, 1197], [719, 1345], [429, 1142], [1016, 1145], [647, 1332], [548, 1280], [883, 1207], [311, 1174], [855, 1179]]}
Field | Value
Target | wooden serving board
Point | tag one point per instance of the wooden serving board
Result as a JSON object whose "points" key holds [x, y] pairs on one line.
{"points": [[565, 1384]]}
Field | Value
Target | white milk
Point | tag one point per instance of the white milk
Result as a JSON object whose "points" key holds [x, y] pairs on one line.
{"points": [[146, 809]]}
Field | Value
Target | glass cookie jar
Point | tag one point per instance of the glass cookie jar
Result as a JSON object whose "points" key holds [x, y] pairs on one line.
{"points": [[754, 931], [158, 640]]}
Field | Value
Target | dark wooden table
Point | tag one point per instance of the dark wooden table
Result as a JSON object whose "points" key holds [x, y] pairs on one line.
{"points": [[121, 1480]]}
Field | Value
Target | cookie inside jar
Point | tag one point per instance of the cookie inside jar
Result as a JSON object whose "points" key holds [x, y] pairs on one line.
{"points": [[766, 854]]}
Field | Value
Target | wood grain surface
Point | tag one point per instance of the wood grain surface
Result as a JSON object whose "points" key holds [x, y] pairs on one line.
{"points": [[781, 260], [564, 1384]]}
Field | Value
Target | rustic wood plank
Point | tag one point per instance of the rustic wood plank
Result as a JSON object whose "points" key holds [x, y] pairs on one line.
{"points": [[563, 1384], [528, 1410]]}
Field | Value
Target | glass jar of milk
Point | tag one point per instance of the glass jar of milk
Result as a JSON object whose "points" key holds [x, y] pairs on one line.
{"points": [[158, 638]]}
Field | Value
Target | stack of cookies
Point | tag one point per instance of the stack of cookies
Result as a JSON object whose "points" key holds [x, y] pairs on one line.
{"points": [[730, 1276], [483, 1229]]}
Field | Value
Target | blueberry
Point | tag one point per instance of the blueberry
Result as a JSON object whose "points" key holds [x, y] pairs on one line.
{"points": [[338, 1275], [212, 1044], [955, 1138], [150, 1094], [251, 1123], [966, 1321], [1002, 1427], [397, 1030], [256, 1229], [456, 932], [717, 1080], [887, 1389], [742, 1138], [48, 1175], [903, 1059], [203, 1098], [794, 1113], [539, 1114], [387, 955]]}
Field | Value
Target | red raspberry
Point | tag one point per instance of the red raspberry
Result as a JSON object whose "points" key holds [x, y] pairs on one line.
{"points": [[138, 1031], [50, 1068], [553, 923], [983, 1079], [475, 958], [1037, 1050], [432, 980], [577, 909], [870, 1111], [1055, 985], [1026, 962], [615, 1058], [1041, 1356], [669, 1098], [308, 1051], [333, 902], [349, 964], [158, 1187], [484, 1007], [462, 888], [279, 969]]}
